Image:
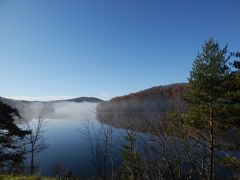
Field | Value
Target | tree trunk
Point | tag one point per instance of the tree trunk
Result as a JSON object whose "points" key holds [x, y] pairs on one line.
{"points": [[32, 156], [211, 145]]}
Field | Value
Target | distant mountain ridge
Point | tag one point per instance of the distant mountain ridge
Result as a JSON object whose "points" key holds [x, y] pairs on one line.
{"points": [[78, 100], [84, 99], [72, 108]]}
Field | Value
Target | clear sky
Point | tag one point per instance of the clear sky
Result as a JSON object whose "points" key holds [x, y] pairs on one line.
{"points": [[104, 48]]}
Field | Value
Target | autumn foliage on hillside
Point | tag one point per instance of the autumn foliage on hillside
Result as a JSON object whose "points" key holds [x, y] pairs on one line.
{"points": [[148, 106], [170, 91]]}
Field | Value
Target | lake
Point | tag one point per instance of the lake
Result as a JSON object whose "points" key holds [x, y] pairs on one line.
{"points": [[69, 148]]}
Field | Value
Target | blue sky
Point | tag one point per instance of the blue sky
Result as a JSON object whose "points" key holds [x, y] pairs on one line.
{"points": [[105, 48]]}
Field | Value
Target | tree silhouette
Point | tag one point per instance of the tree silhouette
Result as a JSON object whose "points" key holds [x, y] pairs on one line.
{"points": [[36, 141], [11, 147]]}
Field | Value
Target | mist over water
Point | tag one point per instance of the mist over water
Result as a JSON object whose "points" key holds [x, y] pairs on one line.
{"points": [[59, 110]]}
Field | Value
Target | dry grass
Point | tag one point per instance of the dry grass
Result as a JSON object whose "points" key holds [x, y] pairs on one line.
{"points": [[21, 177]]}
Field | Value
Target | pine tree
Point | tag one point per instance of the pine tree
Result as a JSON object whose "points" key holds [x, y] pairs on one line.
{"points": [[232, 95], [11, 151], [130, 168], [207, 77], [231, 115]]}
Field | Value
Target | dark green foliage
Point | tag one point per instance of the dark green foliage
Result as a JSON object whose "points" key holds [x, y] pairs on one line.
{"points": [[206, 78], [208, 74], [131, 164], [128, 156], [214, 98], [11, 149], [231, 115], [232, 95]]}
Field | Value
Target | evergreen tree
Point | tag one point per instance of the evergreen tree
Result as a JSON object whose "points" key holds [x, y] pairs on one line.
{"points": [[130, 169], [232, 95], [11, 151], [207, 77], [231, 115]]}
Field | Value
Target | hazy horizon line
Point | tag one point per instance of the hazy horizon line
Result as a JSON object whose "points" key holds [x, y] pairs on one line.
{"points": [[43, 98]]}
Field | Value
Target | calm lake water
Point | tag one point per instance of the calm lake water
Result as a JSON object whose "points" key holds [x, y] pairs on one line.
{"points": [[70, 148]]}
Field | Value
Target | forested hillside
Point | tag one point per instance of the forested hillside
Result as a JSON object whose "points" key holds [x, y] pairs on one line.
{"points": [[144, 108]]}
